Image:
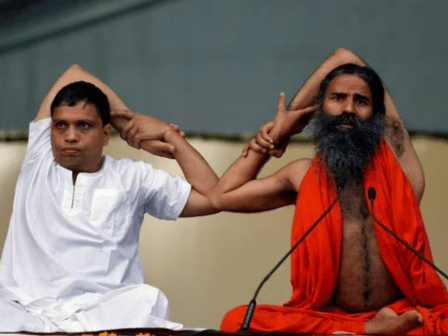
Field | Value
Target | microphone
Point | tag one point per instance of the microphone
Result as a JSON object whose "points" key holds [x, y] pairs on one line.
{"points": [[341, 182], [372, 195]]}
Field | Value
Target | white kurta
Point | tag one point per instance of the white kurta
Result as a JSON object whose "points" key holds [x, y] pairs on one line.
{"points": [[70, 258]]}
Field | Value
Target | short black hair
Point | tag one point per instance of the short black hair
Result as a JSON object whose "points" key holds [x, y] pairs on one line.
{"points": [[76, 92], [368, 74]]}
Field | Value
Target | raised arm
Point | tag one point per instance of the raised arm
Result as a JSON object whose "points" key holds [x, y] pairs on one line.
{"points": [[120, 114], [398, 138], [196, 171], [239, 190], [396, 134], [301, 108], [307, 94], [158, 137], [76, 73]]}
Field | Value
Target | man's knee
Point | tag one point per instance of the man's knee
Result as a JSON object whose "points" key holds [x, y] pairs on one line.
{"points": [[16, 318]]}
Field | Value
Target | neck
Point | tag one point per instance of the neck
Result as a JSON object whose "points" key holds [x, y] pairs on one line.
{"points": [[74, 176]]}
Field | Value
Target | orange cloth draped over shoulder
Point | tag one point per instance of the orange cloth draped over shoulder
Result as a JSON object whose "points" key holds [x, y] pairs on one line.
{"points": [[315, 263]]}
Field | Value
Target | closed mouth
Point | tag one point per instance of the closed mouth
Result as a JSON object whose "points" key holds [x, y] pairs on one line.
{"points": [[346, 125], [70, 151]]}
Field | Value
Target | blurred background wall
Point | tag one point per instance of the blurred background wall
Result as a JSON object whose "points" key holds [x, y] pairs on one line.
{"points": [[215, 67], [218, 65]]}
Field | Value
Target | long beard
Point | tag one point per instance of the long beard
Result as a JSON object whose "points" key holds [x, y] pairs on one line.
{"points": [[346, 151]]}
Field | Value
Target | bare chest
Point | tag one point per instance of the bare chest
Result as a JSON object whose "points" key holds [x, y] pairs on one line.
{"points": [[364, 283]]}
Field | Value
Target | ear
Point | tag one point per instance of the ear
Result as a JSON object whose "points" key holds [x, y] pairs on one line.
{"points": [[106, 132]]}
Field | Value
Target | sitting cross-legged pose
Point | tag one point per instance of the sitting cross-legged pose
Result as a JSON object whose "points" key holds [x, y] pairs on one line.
{"points": [[70, 261], [348, 275]]}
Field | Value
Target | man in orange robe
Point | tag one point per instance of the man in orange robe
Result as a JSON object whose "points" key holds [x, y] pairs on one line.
{"points": [[349, 275]]}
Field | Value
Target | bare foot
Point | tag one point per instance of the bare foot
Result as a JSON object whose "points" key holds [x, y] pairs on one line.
{"points": [[388, 322]]}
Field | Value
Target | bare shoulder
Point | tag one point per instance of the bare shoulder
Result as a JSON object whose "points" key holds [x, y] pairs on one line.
{"points": [[295, 171]]}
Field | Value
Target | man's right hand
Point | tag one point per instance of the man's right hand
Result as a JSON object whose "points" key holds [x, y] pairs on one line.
{"points": [[274, 136]]}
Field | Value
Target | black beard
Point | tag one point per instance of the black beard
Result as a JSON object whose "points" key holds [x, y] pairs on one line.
{"points": [[346, 151]]}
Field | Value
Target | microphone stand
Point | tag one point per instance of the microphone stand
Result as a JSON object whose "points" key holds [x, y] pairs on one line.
{"points": [[372, 196], [342, 180]]}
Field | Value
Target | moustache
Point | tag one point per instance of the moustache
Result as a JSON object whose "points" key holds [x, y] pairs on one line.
{"points": [[345, 119]]}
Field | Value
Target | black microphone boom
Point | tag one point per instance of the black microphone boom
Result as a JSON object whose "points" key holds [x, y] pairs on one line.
{"points": [[372, 196], [341, 181]]}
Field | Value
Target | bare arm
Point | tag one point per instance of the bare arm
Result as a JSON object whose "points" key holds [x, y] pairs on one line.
{"points": [[396, 135], [239, 190], [306, 96], [76, 73], [196, 171], [301, 108], [158, 137], [120, 114], [398, 138]]}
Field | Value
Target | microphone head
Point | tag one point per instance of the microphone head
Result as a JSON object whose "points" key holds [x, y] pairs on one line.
{"points": [[372, 193], [341, 182]]}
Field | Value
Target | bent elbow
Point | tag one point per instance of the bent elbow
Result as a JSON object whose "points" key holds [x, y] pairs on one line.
{"points": [[342, 50], [75, 71]]}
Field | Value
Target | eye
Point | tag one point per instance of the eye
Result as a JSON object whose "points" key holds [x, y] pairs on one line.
{"points": [[362, 102], [60, 125], [84, 126], [336, 97]]}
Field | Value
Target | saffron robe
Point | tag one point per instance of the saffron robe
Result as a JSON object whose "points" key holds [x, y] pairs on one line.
{"points": [[315, 263]]}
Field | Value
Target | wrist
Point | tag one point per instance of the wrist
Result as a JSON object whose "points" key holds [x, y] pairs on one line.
{"points": [[171, 136], [278, 136]]}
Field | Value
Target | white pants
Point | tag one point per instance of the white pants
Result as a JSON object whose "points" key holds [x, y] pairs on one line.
{"points": [[138, 306]]}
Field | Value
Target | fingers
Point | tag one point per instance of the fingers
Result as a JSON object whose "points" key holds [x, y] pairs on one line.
{"points": [[262, 142], [264, 133], [178, 130], [129, 134], [135, 139], [252, 144], [125, 129], [281, 102]]}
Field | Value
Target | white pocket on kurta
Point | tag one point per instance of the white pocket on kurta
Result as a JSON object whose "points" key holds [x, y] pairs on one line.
{"points": [[104, 208]]}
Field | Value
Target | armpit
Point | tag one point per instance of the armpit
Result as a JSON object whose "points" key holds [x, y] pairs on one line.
{"points": [[396, 133]]}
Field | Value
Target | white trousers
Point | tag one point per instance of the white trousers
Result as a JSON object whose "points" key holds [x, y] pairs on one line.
{"points": [[138, 306]]}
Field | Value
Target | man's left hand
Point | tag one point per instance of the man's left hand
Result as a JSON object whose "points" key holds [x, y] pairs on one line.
{"points": [[142, 131]]}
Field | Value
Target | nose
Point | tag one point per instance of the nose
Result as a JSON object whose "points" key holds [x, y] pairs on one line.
{"points": [[71, 135], [349, 106]]}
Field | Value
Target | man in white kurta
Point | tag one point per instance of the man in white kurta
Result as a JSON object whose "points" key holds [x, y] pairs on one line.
{"points": [[70, 260]]}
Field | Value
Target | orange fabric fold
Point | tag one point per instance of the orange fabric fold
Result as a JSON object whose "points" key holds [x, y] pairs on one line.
{"points": [[315, 263]]}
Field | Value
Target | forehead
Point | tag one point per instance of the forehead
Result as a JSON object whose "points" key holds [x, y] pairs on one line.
{"points": [[349, 83], [80, 111]]}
